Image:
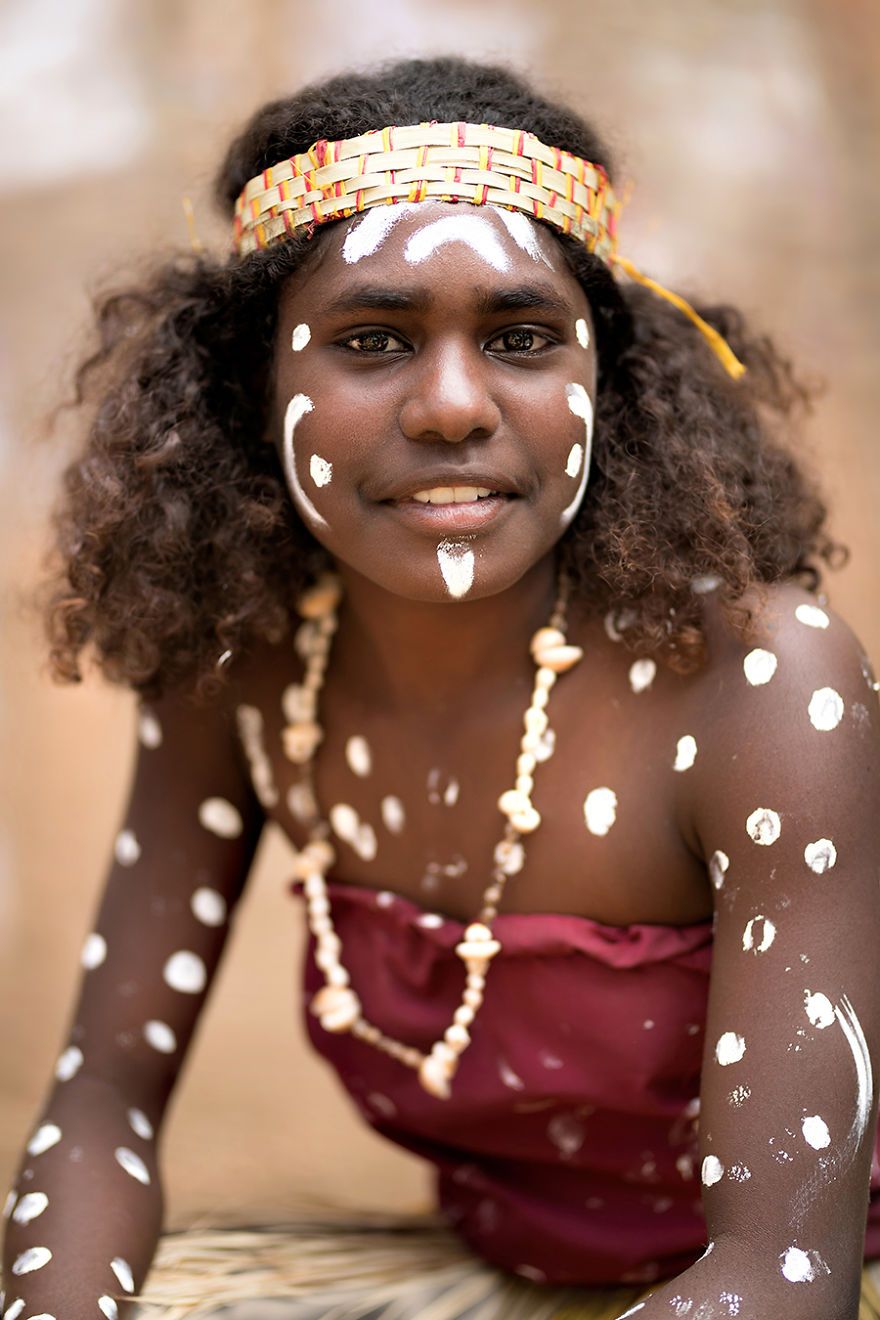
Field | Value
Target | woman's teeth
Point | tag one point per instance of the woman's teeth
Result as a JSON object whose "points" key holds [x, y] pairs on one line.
{"points": [[452, 494]]}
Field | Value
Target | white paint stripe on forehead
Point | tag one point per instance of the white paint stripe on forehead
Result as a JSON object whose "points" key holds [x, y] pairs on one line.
{"points": [[580, 403], [474, 230], [299, 405], [370, 233], [523, 232]]}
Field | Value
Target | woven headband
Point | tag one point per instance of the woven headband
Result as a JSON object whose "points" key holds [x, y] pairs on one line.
{"points": [[476, 163]]}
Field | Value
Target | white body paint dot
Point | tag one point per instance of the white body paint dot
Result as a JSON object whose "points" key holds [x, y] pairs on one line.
{"points": [[600, 810], [393, 814], [185, 971], [582, 332], [220, 817], [825, 709], [14, 1311], [300, 337], [816, 1133], [812, 616], [320, 470], [126, 849], [108, 1307], [149, 729], [46, 1136], [712, 1171], [764, 826], [797, 1266], [357, 754], [30, 1206], [140, 1124], [819, 1009], [685, 752], [730, 1049], [641, 674], [32, 1259], [348, 826], [574, 460], [456, 560], [69, 1063], [758, 935], [132, 1164], [123, 1272], [718, 864], [94, 951], [820, 856], [10, 1202], [160, 1036], [759, 666], [208, 906]]}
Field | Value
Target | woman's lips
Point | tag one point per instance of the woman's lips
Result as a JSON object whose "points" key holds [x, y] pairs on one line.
{"points": [[469, 516]]}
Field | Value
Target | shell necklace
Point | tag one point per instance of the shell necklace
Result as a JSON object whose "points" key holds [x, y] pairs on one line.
{"points": [[336, 1005]]}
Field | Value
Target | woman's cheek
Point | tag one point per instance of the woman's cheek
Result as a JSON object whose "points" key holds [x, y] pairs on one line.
{"points": [[577, 463], [307, 471]]}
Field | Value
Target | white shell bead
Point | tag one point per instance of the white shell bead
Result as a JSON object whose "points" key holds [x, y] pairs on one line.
{"points": [[545, 678], [545, 638], [434, 1077], [457, 1035], [558, 658], [336, 1007], [479, 949], [478, 930], [526, 821], [464, 1014], [535, 721], [512, 802], [320, 599], [472, 997], [300, 741]]}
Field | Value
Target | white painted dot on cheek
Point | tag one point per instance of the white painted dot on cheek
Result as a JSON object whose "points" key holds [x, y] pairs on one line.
{"points": [[730, 1048], [185, 971], [825, 709], [474, 230], [820, 856], [816, 1133], [574, 460], [358, 756], [712, 1171], [46, 1136], [30, 1207], [759, 666], [766, 933], [641, 674], [140, 1124], [299, 405], [127, 849], [812, 616], [208, 907], [94, 951], [582, 331], [393, 814], [132, 1164], [320, 470], [456, 560], [69, 1063], [764, 826], [300, 337], [123, 1272], [600, 810], [32, 1259], [220, 817], [718, 864], [149, 729], [160, 1036], [685, 752], [819, 1009]]}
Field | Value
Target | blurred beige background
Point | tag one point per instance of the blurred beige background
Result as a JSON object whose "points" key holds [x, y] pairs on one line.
{"points": [[751, 130]]}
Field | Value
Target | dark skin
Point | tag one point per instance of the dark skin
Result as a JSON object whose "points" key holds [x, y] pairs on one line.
{"points": [[440, 685]]}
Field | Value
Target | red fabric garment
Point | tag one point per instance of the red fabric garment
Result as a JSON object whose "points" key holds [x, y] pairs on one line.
{"points": [[567, 1151]]}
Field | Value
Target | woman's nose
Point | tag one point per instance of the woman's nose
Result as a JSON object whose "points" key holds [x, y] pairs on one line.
{"points": [[450, 399]]}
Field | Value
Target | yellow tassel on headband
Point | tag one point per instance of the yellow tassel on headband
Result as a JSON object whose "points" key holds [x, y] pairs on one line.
{"points": [[459, 162]]}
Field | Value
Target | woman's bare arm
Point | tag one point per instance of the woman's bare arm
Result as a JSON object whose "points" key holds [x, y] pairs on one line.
{"points": [[86, 1208]]}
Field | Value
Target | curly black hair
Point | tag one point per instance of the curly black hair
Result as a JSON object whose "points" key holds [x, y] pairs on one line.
{"points": [[174, 536]]}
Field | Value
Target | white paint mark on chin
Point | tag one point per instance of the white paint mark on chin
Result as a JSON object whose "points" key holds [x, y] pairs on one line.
{"points": [[730, 1049], [816, 1133], [523, 232], [820, 856], [456, 560], [320, 470], [299, 405], [582, 331], [600, 810], [580, 403], [300, 337], [369, 233], [474, 230]]}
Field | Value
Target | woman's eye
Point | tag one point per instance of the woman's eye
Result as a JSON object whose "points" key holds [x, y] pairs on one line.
{"points": [[371, 341], [520, 340]]}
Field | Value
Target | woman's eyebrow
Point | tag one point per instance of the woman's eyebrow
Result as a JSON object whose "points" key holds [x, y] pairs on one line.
{"points": [[486, 302]]}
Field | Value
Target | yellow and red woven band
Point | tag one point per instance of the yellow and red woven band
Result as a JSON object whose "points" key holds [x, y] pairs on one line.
{"points": [[458, 162]]}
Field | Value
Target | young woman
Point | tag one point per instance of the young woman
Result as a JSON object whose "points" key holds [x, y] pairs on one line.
{"points": [[488, 577]]}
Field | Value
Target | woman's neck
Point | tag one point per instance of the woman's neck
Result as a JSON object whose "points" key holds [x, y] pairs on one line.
{"points": [[400, 652]]}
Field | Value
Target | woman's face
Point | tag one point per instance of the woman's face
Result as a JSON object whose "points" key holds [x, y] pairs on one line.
{"points": [[433, 397]]}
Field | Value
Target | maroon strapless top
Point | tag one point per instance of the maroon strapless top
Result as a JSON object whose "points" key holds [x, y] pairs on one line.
{"points": [[567, 1151]]}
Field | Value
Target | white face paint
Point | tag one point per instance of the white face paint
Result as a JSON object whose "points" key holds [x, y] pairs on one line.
{"points": [[685, 752], [300, 337], [825, 709], [127, 849], [320, 470], [208, 906], [759, 666], [820, 856], [580, 403], [574, 460], [357, 754], [456, 560], [582, 331], [718, 864], [221, 818], [185, 971], [160, 1036], [474, 230], [712, 1171], [299, 405], [132, 1164], [523, 232], [812, 616], [764, 929], [730, 1049], [764, 826], [369, 233], [816, 1133], [600, 810]]}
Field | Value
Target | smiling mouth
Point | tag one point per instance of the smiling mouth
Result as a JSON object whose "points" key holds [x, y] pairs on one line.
{"points": [[451, 495], [446, 509]]}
